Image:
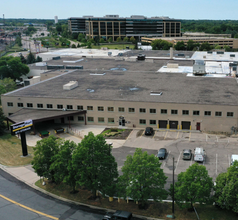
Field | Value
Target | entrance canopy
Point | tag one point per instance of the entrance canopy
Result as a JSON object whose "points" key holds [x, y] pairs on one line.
{"points": [[39, 115]]}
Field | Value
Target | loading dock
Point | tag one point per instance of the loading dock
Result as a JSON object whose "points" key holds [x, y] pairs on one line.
{"points": [[162, 123], [185, 125], [173, 124]]}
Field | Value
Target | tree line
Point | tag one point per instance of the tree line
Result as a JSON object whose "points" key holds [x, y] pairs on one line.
{"points": [[91, 164]]}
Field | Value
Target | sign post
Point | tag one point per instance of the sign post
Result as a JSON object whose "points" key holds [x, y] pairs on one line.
{"points": [[21, 128]]}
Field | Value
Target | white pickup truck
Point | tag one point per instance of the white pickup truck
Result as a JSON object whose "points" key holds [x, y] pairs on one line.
{"points": [[199, 154]]}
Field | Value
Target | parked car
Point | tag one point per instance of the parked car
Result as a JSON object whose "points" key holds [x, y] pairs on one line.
{"points": [[199, 154], [123, 215], [162, 153], [187, 154], [149, 131]]}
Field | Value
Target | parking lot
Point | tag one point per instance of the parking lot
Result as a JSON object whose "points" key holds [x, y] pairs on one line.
{"points": [[218, 150]]}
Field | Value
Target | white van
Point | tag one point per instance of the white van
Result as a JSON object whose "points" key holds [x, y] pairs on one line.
{"points": [[233, 158], [199, 154]]}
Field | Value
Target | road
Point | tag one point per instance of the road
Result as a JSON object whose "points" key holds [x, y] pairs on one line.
{"points": [[21, 202]]}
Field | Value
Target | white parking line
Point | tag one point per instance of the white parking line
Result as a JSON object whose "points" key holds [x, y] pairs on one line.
{"points": [[216, 164], [217, 138], [177, 162], [229, 162], [165, 161], [154, 135], [206, 137]]}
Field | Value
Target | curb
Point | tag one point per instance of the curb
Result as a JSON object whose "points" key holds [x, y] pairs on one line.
{"points": [[70, 201]]}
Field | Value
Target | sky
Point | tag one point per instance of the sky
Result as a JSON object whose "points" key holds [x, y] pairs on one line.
{"points": [[179, 9]]}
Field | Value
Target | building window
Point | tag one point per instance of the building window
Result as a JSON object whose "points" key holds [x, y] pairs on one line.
{"points": [[80, 107], [110, 109], [29, 105], [142, 110], [100, 119], [70, 118], [121, 109], [207, 113], [196, 112], [142, 121], [90, 119], [90, 108], [69, 107], [185, 112], [10, 104], [39, 105], [59, 106], [80, 118], [163, 111], [131, 110], [152, 122], [100, 108], [49, 106], [174, 112], [153, 111], [111, 120], [230, 114], [218, 114], [20, 105]]}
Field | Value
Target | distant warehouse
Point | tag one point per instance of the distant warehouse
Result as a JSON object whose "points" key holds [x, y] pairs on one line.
{"points": [[133, 26]]}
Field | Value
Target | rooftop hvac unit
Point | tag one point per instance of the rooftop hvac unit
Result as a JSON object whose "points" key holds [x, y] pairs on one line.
{"points": [[71, 85]]}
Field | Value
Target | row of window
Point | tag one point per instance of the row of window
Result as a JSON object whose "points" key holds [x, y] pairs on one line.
{"points": [[122, 109]]}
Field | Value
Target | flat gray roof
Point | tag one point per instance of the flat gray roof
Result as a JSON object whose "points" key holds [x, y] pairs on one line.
{"points": [[135, 84]]}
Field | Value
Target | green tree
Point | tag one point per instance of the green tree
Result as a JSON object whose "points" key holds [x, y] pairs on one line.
{"points": [[161, 45], [217, 47], [38, 59], [143, 177], [23, 59], [110, 40], [95, 165], [81, 37], [226, 189], [2, 124], [30, 58], [101, 40], [62, 165], [73, 46], [205, 46], [78, 45], [12, 67], [8, 84], [193, 185], [18, 41], [44, 153], [190, 45], [126, 39], [179, 46], [132, 39], [227, 48], [119, 39], [58, 28]]}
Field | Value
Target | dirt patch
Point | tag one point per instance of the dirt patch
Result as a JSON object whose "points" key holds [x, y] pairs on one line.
{"points": [[120, 134]]}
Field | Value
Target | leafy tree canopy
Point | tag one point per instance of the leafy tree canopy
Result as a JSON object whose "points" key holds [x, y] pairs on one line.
{"points": [[95, 165], [12, 67], [143, 178], [226, 189], [193, 185]]}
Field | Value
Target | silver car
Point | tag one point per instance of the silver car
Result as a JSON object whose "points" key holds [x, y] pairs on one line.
{"points": [[187, 154]]}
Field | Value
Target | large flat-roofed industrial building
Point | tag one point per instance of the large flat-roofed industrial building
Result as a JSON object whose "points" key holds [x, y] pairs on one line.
{"points": [[123, 92], [115, 26]]}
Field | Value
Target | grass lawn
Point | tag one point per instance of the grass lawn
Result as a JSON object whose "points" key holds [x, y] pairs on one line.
{"points": [[155, 210], [11, 151], [114, 46]]}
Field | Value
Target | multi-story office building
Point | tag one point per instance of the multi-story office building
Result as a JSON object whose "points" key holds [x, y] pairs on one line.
{"points": [[115, 26]]}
